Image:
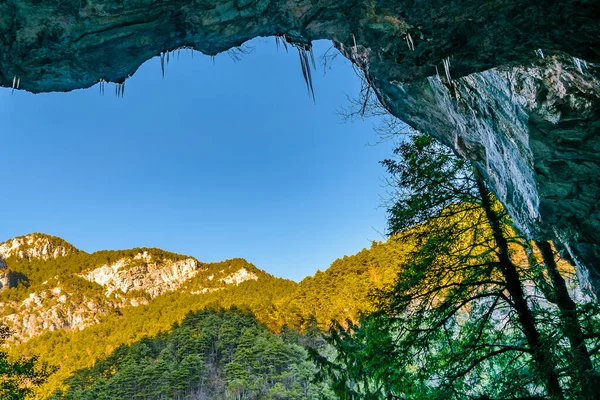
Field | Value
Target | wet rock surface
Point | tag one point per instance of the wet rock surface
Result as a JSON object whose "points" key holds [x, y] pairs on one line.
{"points": [[527, 118]]}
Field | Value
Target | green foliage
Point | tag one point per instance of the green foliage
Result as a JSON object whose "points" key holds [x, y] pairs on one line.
{"points": [[466, 318], [454, 306], [428, 180], [338, 293], [212, 354], [342, 291], [36, 273], [19, 377]]}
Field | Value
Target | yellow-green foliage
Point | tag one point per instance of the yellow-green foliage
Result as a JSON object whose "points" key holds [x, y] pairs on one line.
{"points": [[217, 354], [338, 293]]}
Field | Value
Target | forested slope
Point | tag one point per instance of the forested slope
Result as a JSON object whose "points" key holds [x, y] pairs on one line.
{"points": [[76, 308], [212, 354]]}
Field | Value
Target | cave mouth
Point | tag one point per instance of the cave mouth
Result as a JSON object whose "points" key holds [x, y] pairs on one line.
{"points": [[219, 156], [470, 74]]}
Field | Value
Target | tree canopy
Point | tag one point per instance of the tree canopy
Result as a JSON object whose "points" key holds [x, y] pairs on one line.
{"points": [[19, 377], [475, 312], [212, 354]]}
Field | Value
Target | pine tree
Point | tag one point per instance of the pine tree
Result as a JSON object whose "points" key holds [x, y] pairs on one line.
{"points": [[462, 319]]}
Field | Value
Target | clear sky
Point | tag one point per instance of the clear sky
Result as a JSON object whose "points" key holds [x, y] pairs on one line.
{"points": [[214, 161]]}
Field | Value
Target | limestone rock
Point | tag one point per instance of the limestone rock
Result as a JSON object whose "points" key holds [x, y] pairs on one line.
{"points": [[145, 273], [53, 309], [242, 275], [35, 245], [4, 275], [74, 302], [533, 131]]}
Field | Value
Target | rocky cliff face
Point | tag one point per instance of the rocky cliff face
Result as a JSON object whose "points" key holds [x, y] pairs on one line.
{"points": [[241, 275], [534, 131], [35, 245], [145, 273], [52, 309], [4, 275], [495, 80], [32, 246], [66, 300]]}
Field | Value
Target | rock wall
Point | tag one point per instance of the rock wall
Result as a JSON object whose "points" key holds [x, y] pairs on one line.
{"points": [[495, 80], [4, 275], [144, 273], [54, 309], [534, 131], [35, 245], [76, 301]]}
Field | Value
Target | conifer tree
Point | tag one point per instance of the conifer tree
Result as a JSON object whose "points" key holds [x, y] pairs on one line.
{"points": [[463, 318], [18, 378]]}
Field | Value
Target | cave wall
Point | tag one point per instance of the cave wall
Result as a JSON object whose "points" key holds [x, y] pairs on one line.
{"points": [[534, 131], [496, 80]]}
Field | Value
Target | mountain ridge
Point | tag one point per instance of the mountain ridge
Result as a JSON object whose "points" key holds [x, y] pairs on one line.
{"points": [[78, 307], [47, 274], [36, 245]]}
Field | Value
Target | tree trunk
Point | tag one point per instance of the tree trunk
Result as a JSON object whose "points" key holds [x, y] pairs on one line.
{"points": [[541, 355], [571, 328]]}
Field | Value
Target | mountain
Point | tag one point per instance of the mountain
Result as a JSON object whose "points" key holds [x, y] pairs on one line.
{"points": [[72, 308], [36, 245], [56, 286]]}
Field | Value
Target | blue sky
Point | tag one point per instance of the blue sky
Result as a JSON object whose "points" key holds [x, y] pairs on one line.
{"points": [[215, 161]]}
